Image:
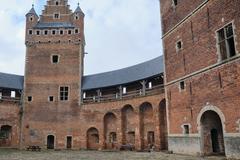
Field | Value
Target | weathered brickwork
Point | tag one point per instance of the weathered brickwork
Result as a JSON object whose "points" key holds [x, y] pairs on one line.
{"points": [[210, 84]]}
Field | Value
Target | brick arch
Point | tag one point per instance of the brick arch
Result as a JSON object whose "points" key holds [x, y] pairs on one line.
{"points": [[162, 116], [129, 123], [110, 130], [147, 127], [93, 138]]}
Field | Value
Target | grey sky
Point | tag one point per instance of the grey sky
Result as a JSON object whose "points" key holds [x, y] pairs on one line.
{"points": [[119, 33]]}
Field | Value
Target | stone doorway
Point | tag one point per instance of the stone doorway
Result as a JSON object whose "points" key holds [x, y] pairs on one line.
{"points": [[50, 142], [212, 134]]}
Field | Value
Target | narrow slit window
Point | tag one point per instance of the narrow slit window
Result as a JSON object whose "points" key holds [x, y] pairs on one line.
{"points": [[64, 93], [179, 46], [150, 85], [124, 90], [182, 85], [226, 42]]}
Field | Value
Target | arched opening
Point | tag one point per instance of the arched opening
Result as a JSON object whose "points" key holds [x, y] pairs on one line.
{"points": [[147, 126], [50, 142], [110, 131], [5, 136], [92, 139], [163, 125], [128, 125], [212, 133]]}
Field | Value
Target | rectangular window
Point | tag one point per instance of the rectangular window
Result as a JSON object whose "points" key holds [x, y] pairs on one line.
{"points": [[175, 2], [1, 95], [30, 32], [53, 32], [13, 94], [124, 90], [186, 129], [69, 31], [179, 46], [64, 93], [45, 32], [150, 85], [55, 59], [56, 15], [50, 98], [37, 32], [61, 32], [182, 85], [29, 98], [226, 43], [76, 31]]}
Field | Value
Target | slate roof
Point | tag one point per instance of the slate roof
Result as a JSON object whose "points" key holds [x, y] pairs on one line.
{"points": [[123, 76], [78, 9], [32, 11], [53, 25], [11, 81]]}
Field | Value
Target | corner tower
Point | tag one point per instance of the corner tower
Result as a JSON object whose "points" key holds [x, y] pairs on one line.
{"points": [[53, 70]]}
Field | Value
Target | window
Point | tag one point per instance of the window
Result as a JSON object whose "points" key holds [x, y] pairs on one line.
{"points": [[64, 93], [37, 32], [53, 32], [1, 95], [179, 46], [13, 94], [45, 32], [76, 16], [61, 32], [124, 90], [84, 95], [186, 129], [30, 32], [175, 2], [150, 85], [29, 98], [182, 85], [55, 59], [56, 15], [56, 3], [69, 31], [31, 18], [76, 31], [50, 98], [226, 44]]}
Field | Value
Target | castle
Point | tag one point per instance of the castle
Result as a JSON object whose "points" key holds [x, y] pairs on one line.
{"points": [[186, 101]]}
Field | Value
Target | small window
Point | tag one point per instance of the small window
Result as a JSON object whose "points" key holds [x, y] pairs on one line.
{"points": [[13, 94], [124, 90], [226, 42], [175, 2], [182, 85], [53, 32], [186, 129], [1, 95], [76, 31], [46, 32], [61, 32], [30, 32], [84, 95], [57, 3], [76, 16], [31, 18], [37, 32], [29, 98], [179, 46], [64, 93], [150, 85], [56, 15], [50, 98], [55, 59], [69, 31]]}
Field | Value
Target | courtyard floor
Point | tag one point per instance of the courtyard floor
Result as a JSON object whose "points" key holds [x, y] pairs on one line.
{"points": [[7, 154]]}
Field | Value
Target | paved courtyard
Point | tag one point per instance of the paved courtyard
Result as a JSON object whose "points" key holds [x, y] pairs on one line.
{"points": [[93, 155]]}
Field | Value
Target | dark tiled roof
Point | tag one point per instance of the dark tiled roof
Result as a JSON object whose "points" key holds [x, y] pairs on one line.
{"points": [[78, 10], [53, 25], [32, 11], [11, 81], [123, 76]]}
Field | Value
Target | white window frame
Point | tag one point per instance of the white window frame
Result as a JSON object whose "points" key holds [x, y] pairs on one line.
{"points": [[13, 94], [38, 31], [62, 31], [51, 59], [124, 90], [59, 93]]}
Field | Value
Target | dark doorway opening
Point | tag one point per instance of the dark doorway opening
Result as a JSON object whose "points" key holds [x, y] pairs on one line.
{"points": [[69, 142], [215, 143], [50, 142]]}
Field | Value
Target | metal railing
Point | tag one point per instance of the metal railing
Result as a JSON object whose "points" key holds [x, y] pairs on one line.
{"points": [[129, 95], [10, 99]]}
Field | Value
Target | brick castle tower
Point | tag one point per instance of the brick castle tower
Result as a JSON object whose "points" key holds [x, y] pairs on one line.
{"points": [[53, 71]]}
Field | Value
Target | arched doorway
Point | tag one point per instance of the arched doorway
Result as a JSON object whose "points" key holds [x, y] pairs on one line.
{"points": [[50, 142], [128, 125], [92, 139], [147, 128], [212, 133], [110, 131], [163, 125], [5, 136]]}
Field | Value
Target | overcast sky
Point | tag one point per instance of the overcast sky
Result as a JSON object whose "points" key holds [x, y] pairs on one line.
{"points": [[119, 33]]}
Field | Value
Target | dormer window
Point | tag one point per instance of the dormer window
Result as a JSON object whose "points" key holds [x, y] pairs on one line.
{"points": [[31, 18], [37, 32], [56, 15]]}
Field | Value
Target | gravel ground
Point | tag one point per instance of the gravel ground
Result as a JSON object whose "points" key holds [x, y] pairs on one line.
{"points": [[7, 154]]}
